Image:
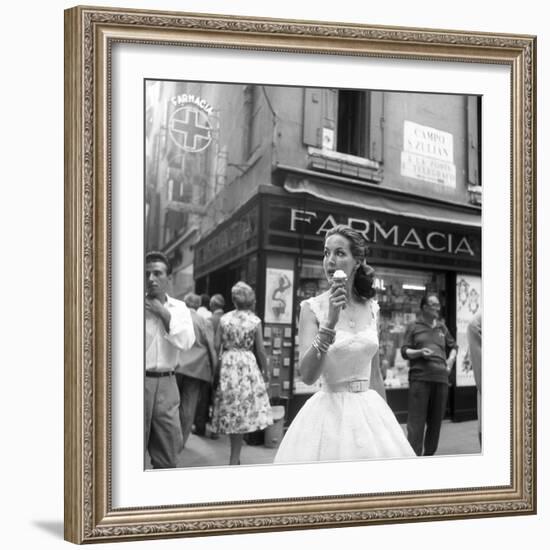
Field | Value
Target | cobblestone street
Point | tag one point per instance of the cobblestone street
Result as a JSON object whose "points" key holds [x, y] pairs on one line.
{"points": [[456, 438]]}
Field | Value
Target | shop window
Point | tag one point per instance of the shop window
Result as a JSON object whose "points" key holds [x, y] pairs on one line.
{"points": [[399, 292], [353, 122]]}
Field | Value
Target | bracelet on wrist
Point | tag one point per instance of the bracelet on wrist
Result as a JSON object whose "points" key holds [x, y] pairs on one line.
{"points": [[323, 329], [318, 351], [323, 340]]}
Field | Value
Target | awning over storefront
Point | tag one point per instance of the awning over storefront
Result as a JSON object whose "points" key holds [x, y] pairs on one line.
{"points": [[352, 195]]}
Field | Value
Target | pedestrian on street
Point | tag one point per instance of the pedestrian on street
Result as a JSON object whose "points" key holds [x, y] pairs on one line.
{"points": [[195, 369], [202, 416], [241, 403], [204, 309], [474, 348], [168, 330], [431, 351], [217, 305]]}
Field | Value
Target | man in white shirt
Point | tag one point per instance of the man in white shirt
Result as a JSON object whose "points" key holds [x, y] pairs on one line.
{"points": [[168, 329]]}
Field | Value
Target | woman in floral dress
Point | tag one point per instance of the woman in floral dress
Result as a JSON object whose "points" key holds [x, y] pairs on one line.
{"points": [[241, 403]]}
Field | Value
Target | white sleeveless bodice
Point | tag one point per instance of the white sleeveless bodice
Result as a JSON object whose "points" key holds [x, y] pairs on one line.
{"points": [[356, 342]]}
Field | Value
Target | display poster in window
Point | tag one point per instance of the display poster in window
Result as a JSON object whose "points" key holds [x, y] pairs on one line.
{"points": [[278, 295], [468, 303]]}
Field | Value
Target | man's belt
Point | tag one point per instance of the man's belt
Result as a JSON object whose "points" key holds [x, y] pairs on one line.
{"points": [[158, 373]]}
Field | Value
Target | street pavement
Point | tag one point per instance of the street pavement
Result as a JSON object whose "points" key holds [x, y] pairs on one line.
{"points": [[456, 438]]}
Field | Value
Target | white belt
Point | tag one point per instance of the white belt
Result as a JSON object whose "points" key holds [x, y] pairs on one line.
{"points": [[354, 386]]}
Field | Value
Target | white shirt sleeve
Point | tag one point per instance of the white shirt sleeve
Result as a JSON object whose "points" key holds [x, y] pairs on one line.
{"points": [[182, 334]]}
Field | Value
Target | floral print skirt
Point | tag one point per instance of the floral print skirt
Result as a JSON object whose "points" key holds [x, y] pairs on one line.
{"points": [[241, 403]]}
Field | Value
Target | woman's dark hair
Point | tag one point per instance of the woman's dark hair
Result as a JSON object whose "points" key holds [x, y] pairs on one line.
{"points": [[363, 283]]}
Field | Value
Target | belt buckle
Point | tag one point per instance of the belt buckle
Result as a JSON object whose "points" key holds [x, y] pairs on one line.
{"points": [[355, 386]]}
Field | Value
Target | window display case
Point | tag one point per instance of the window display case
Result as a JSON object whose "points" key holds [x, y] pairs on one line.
{"points": [[399, 292]]}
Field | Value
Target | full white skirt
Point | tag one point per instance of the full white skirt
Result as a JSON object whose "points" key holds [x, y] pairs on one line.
{"points": [[343, 426]]}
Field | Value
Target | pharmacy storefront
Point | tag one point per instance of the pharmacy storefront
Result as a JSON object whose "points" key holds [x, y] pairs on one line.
{"points": [[422, 249]]}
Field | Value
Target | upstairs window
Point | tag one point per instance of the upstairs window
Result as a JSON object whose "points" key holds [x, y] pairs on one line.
{"points": [[353, 123]]}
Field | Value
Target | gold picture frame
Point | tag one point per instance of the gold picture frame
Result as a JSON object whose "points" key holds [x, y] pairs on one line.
{"points": [[89, 36]]}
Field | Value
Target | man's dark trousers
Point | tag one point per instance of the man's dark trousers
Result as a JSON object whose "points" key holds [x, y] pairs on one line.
{"points": [[427, 404]]}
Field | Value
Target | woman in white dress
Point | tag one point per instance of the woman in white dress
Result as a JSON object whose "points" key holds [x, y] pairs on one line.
{"points": [[338, 333]]}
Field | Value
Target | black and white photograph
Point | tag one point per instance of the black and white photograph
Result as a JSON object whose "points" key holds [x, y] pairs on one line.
{"points": [[284, 236], [312, 274]]}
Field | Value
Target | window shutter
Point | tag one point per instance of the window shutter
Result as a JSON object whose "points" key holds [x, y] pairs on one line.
{"points": [[312, 116], [376, 126], [474, 104]]}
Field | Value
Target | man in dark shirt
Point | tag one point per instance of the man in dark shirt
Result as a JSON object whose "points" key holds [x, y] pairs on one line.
{"points": [[431, 351]]}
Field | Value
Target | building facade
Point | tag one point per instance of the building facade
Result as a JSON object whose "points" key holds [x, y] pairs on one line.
{"points": [[285, 164]]}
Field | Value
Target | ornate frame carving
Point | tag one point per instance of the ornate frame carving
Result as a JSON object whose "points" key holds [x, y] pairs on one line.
{"points": [[89, 34]]}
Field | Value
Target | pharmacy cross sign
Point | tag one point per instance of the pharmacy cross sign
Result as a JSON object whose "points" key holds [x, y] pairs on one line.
{"points": [[190, 128]]}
